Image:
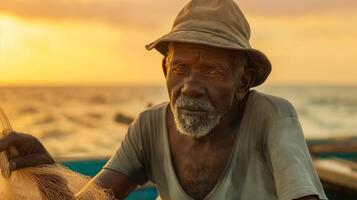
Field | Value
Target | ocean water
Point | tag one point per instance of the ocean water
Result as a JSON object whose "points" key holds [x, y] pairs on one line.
{"points": [[92, 121]]}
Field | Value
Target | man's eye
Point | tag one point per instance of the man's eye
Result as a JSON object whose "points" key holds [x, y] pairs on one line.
{"points": [[178, 68], [214, 72]]}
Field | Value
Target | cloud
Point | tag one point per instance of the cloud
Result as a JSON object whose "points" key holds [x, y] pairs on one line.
{"points": [[116, 12], [147, 14], [297, 7]]}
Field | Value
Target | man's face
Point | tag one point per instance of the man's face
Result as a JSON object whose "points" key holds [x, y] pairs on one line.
{"points": [[202, 83]]}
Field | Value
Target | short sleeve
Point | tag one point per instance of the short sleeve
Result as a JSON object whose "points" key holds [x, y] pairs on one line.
{"points": [[129, 157], [292, 167]]}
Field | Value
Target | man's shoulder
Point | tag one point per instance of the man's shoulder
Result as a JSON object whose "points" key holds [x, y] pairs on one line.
{"points": [[273, 105], [153, 113], [149, 123]]}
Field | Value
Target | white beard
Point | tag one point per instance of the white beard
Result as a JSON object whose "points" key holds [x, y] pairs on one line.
{"points": [[195, 126]]}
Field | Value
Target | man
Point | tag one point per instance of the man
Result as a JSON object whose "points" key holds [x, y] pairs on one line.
{"points": [[216, 138]]}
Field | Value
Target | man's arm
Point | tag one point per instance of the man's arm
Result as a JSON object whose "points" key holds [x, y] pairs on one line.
{"points": [[117, 182], [292, 167]]}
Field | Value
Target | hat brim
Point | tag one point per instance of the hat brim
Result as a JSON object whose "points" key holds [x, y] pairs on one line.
{"points": [[256, 59]]}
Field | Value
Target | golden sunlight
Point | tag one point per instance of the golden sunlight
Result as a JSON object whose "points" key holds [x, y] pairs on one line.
{"points": [[103, 43], [67, 52]]}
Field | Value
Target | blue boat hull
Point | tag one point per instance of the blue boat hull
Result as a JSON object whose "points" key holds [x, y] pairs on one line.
{"points": [[91, 166]]}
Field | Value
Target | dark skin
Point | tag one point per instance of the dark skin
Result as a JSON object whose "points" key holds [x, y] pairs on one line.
{"points": [[199, 163], [202, 72]]}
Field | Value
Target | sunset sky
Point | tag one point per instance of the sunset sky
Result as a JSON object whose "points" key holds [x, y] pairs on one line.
{"points": [[101, 42]]}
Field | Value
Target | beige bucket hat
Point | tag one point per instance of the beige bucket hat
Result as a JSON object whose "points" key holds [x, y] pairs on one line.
{"points": [[216, 23]]}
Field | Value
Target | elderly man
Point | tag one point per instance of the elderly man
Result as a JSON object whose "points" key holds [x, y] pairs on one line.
{"points": [[216, 138]]}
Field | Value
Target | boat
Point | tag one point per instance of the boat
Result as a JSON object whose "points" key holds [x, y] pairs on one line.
{"points": [[336, 147], [90, 166], [334, 160]]}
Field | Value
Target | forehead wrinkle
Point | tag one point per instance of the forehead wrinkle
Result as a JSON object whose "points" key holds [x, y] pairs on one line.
{"points": [[195, 54], [194, 57]]}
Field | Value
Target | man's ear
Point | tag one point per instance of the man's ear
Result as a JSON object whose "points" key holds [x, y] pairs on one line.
{"points": [[164, 66], [245, 82]]}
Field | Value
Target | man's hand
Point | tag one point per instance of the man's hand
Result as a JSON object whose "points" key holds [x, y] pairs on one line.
{"points": [[31, 152]]}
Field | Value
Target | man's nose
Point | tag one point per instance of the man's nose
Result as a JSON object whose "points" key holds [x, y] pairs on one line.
{"points": [[193, 87]]}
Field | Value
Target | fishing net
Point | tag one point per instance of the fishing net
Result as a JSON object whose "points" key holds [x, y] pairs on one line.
{"points": [[46, 182]]}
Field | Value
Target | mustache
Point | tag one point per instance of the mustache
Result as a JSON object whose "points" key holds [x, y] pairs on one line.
{"points": [[190, 103]]}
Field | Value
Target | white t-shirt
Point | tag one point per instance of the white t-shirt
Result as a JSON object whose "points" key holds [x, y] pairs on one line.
{"points": [[269, 159]]}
